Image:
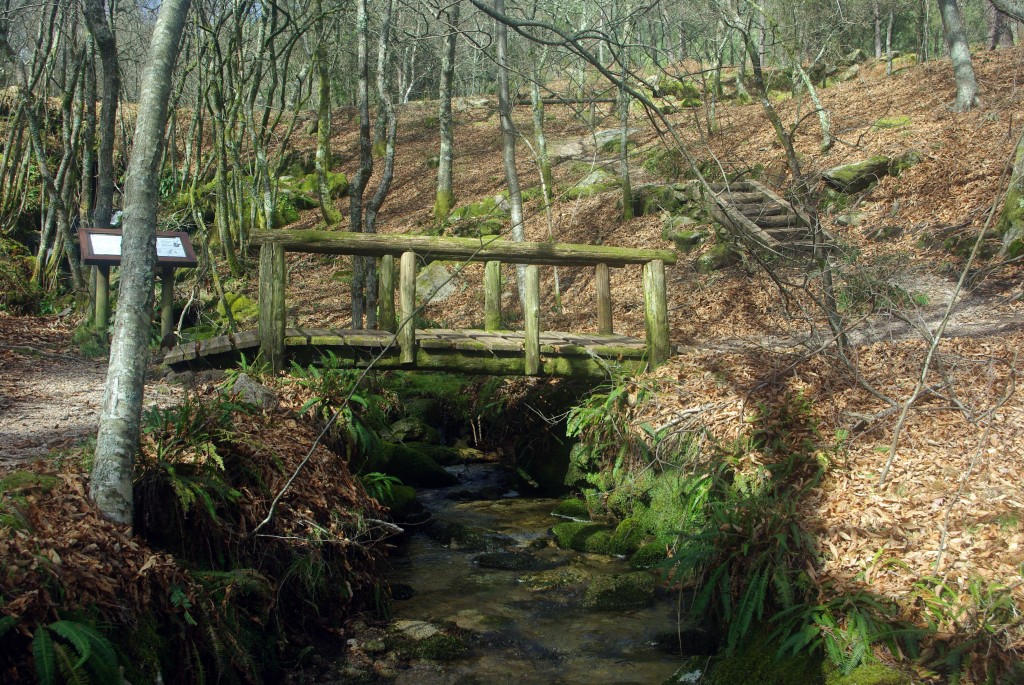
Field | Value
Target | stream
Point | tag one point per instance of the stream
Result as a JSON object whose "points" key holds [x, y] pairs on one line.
{"points": [[486, 563]]}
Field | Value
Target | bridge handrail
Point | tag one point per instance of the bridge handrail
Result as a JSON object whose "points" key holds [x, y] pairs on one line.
{"points": [[492, 250], [485, 249]]}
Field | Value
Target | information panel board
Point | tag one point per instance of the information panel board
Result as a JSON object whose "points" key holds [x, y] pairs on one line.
{"points": [[102, 246]]}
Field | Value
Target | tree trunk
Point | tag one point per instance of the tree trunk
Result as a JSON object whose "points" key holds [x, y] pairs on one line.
{"points": [[323, 132], [999, 33], [119, 426], [960, 56], [508, 137], [876, 15], [106, 46], [386, 98], [445, 196], [362, 175]]}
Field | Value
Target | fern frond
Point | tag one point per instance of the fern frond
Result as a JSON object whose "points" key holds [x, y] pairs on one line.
{"points": [[7, 623], [69, 668], [44, 656], [75, 633]]}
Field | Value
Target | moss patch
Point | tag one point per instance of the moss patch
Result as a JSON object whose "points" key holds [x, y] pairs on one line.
{"points": [[890, 122], [572, 509], [868, 674], [620, 591], [583, 537], [853, 178]]}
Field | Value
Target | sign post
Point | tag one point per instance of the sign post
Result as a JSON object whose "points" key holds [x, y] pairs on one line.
{"points": [[101, 247]]}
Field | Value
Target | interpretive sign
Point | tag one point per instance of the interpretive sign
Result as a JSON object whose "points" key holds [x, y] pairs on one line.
{"points": [[102, 247]]}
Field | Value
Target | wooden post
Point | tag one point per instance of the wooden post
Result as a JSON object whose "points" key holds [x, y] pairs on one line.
{"points": [[102, 298], [166, 302], [407, 303], [656, 313], [386, 295], [604, 300], [492, 296], [272, 305], [531, 320]]}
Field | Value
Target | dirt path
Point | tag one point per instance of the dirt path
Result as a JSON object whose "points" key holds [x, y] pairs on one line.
{"points": [[50, 395]]}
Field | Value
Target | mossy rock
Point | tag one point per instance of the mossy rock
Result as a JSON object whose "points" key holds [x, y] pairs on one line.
{"points": [[628, 536], [486, 217], [903, 162], [593, 538], [412, 429], [651, 198], [413, 466], [242, 308], [27, 481], [399, 499], [683, 232], [649, 555], [596, 182], [719, 257], [680, 89], [619, 591], [445, 456], [469, 538], [285, 211], [508, 561], [890, 122], [669, 164], [572, 508], [866, 674], [854, 178], [441, 647]]}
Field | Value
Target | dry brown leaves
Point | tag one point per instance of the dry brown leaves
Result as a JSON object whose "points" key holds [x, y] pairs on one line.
{"points": [[70, 558]]}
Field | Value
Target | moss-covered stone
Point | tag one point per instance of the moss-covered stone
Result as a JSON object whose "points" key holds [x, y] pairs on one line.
{"points": [[596, 182], [757, 661], [412, 466], [681, 89], [489, 216], [719, 257], [619, 591], [651, 198], [469, 538], [683, 232], [583, 537], [412, 429], [445, 456], [904, 161], [628, 536], [242, 308], [899, 121], [572, 508], [441, 648], [853, 178], [508, 561], [649, 555]]}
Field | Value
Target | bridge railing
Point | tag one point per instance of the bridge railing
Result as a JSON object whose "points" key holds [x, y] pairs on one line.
{"points": [[492, 251]]}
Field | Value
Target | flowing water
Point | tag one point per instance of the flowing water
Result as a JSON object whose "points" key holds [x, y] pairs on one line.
{"points": [[529, 625]]}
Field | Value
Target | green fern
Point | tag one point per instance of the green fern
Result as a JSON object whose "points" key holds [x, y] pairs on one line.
{"points": [[80, 654], [45, 657]]}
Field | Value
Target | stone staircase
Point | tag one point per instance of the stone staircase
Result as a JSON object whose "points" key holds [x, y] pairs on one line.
{"points": [[763, 220]]}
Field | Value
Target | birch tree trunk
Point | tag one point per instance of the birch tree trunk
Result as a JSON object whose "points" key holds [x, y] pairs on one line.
{"points": [[960, 55], [120, 417], [445, 197], [508, 137]]}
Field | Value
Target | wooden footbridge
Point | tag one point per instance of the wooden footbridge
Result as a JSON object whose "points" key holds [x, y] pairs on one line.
{"points": [[490, 350]]}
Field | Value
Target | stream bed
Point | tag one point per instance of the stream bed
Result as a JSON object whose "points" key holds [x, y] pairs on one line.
{"points": [[486, 562]]}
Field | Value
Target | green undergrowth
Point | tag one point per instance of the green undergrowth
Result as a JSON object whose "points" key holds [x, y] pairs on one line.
{"points": [[726, 523]]}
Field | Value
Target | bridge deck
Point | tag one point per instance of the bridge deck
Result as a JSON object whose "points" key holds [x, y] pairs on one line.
{"points": [[570, 355]]}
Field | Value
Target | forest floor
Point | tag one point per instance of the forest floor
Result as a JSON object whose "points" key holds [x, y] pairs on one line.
{"points": [[952, 505]]}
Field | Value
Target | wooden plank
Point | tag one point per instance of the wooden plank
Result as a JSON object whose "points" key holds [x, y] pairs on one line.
{"points": [[102, 298], [656, 313], [531, 321], [604, 299], [492, 295], [407, 302], [386, 318], [272, 305], [166, 301], [490, 248]]}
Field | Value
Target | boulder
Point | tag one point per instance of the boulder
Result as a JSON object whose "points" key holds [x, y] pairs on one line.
{"points": [[717, 258], [649, 198], [251, 392], [908, 159], [853, 178], [435, 283], [684, 232], [594, 183], [620, 591]]}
